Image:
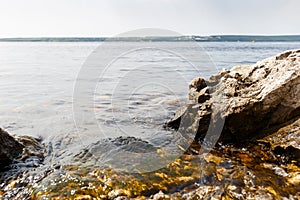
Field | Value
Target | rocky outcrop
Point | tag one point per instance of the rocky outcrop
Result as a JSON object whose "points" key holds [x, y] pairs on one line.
{"points": [[9, 148], [253, 101]]}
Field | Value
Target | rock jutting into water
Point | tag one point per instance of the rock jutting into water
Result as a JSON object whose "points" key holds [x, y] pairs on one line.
{"points": [[260, 105], [254, 100], [9, 148]]}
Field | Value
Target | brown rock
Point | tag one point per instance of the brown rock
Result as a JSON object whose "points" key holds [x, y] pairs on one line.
{"points": [[251, 99]]}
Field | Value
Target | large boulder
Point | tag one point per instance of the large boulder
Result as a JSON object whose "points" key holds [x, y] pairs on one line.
{"points": [[253, 101], [9, 148]]}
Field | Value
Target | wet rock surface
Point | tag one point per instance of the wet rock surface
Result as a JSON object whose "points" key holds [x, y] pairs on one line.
{"points": [[257, 170], [261, 128], [261, 109], [10, 149], [26, 155], [286, 137]]}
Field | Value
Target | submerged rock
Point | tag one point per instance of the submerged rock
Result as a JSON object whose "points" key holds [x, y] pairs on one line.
{"points": [[10, 149], [258, 102], [260, 107], [254, 101], [24, 168]]}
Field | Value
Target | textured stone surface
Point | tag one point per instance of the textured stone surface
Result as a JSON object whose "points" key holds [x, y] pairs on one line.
{"points": [[251, 99], [286, 139], [9, 148]]}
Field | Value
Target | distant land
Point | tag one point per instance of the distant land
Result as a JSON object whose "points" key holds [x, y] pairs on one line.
{"points": [[213, 38]]}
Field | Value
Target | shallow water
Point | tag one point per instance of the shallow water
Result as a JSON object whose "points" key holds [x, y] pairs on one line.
{"points": [[138, 92], [37, 79]]}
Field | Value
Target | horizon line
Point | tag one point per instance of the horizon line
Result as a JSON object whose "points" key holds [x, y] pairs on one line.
{"points": [[190, 35], [179, 38]]}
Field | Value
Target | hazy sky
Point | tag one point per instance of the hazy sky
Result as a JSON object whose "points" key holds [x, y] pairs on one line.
{"points": [[41, 18]]}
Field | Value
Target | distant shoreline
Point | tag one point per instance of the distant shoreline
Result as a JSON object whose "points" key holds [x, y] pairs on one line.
{"points": [[213, 38]]}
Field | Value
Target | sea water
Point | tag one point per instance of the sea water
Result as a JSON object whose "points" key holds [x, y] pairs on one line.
{"points": [[133, 94], [78, 96]]}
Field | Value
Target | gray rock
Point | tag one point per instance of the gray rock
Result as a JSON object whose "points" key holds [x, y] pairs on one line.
{"points": [[9, 148], [250, 99]]}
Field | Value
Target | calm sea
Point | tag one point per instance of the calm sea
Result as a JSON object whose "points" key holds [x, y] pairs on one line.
{"points": [[133, 95]]}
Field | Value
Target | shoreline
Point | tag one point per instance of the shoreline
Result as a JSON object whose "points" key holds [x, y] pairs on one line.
{"points": [[260, 97]]}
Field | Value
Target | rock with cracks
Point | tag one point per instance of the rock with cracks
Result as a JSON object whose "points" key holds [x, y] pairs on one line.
{"points": [[249, 102]]}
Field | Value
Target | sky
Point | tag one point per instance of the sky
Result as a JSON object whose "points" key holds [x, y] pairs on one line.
{"points": [[98, 18]]}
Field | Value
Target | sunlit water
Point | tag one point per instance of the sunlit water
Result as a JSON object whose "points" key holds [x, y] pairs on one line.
{"points": [[38, 80]]}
